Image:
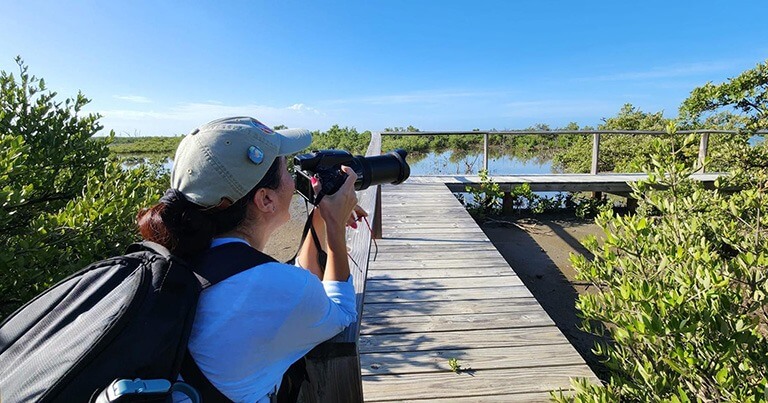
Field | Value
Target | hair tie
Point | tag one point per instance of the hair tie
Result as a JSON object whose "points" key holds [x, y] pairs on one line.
{"points": [[173, 196]]}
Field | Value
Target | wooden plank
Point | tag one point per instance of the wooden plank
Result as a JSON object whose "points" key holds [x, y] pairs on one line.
{"points": [[479, 383], [443, 323], [439, 264], [412, 362], [386, 275], [414, 242], [515, 291], [468, 232], [530, 397], [460, 339], [390, 255], [399, 309], [442, 283]]}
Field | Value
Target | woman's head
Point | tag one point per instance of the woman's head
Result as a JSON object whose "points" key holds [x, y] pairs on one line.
{"points": [[219, 170]]}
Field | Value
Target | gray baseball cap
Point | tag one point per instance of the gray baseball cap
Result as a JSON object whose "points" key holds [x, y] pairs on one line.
{"points": [[226, 158]]}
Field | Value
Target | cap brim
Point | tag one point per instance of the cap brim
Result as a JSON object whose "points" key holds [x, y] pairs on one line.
{"points": [[294, 140]]}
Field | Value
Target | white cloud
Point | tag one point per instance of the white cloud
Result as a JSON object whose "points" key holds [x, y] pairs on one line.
{"points": [[183, 118], [134, 98], [304, 108]]}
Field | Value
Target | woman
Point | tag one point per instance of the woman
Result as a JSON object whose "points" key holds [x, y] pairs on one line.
{"points": [[230, 183]]}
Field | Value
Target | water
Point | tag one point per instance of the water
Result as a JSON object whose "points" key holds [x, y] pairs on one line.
{"points": [[457, 163], [446, 163]]}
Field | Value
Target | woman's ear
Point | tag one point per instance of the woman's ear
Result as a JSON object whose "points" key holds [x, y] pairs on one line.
{"points": [[265, 200]]}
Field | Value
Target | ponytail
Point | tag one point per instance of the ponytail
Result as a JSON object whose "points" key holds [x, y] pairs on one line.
{"points": [[177, 224], [187, 230]]}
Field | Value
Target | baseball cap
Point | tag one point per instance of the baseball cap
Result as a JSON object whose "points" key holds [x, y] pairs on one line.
{"points": [[226, 158]]}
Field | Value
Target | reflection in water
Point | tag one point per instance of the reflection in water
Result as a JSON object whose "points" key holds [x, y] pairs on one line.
{"points": [[464, 163]]}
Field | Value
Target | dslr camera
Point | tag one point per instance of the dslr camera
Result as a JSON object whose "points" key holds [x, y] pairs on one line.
{"points": [[326, 166]]}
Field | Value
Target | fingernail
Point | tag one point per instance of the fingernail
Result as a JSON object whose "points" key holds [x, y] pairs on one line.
{"points": [[353, 225], [313, 180]]}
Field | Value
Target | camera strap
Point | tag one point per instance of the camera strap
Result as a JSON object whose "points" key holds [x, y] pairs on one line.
{"points": [[322, 256]]}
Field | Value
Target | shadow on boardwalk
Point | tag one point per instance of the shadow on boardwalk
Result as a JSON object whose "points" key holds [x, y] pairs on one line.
{"points": [[538, 250]]}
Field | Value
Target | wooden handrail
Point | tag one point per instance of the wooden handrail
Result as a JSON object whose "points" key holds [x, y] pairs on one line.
{"points": [[703, 145], [334, 366]]}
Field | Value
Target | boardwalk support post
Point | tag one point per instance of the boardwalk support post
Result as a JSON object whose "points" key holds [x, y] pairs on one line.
{"points": [[507, 203]]}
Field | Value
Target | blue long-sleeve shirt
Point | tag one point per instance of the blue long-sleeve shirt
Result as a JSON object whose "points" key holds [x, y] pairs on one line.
{"points": [[252, 326]]}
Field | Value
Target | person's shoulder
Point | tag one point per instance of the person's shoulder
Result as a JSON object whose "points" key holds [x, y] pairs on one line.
{"points": [[275, 272]]}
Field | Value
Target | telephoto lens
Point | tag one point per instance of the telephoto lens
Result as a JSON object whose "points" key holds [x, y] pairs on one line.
{"points": [[326, 165]]}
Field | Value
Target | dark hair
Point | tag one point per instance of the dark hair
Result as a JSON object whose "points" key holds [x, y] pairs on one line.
{"points": [[186, 229]]}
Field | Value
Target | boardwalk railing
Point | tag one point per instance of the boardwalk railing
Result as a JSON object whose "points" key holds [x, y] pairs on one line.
{"points": [[334, 366], [703, 144]]}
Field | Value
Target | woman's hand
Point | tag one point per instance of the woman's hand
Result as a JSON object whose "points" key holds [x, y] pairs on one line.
{"points": [[336, 209]]}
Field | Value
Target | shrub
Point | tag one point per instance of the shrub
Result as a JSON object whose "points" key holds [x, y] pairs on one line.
{"points": [[681, 287], [64, 203]]}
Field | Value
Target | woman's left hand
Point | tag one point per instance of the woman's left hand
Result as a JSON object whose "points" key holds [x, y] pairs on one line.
{"points": [[358, 213]]}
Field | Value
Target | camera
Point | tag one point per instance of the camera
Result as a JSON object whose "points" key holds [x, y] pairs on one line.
{"points": [[326, 166]]}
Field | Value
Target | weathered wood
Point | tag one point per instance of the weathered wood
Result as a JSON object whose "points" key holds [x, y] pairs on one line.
{"points": [[556, 132], [399, 309], [476, 338], [413, 362], [703, 146], [426, 258], [377, 216], [386, 275], [530, 397], [438, 286], [604, 182], [333, 378], [485, 152], [443, 323], [442, 283], [595, 153], [444, 385], [515, 291]]}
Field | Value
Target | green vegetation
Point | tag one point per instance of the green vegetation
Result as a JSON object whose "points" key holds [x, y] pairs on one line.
{"points": [[144, 145], [64, 202], [454, 364], [682, 286], [487, 199]]}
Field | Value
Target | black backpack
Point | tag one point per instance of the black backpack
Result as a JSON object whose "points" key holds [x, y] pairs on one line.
{"points": [[122, 318]]}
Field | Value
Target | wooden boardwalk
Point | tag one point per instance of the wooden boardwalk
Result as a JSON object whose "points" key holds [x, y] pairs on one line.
{"points": [[438, 289], [604, 182]]}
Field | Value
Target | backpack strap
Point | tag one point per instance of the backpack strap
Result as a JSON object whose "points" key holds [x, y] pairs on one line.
{"points": [[215, 265], [224, 261]]}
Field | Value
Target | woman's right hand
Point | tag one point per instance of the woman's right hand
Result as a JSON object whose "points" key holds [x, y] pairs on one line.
{"points": [[336, 209]]}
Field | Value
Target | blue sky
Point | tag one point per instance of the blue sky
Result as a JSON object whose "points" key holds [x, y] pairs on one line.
{"points": [[165, 67]]}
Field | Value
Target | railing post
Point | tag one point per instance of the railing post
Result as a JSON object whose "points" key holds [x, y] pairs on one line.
{"points": [[377, 232], [485, 152], [595, 152], [703, 151], [595, 158]]}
